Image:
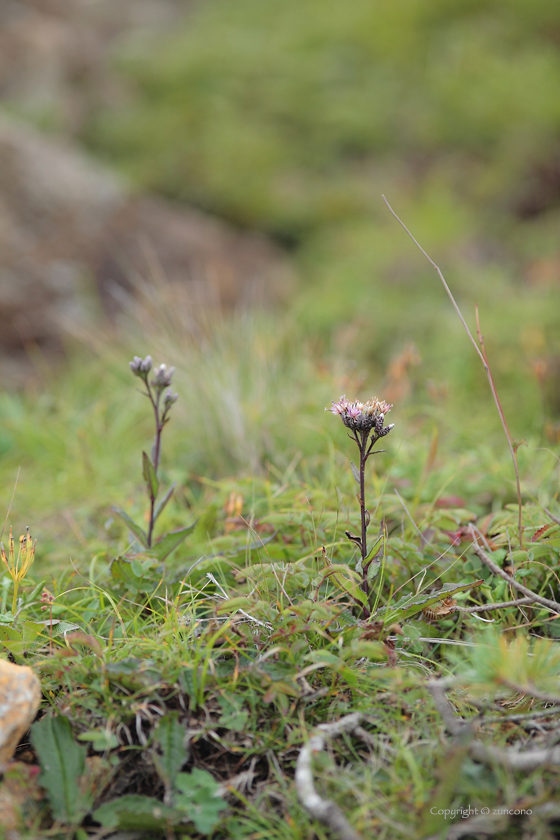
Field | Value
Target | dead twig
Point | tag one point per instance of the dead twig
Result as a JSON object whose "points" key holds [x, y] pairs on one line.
{"points": [[495, 569], [531, 691], [484, 360], [323, 809], [488, 607], [525, 716], [508, 756]]}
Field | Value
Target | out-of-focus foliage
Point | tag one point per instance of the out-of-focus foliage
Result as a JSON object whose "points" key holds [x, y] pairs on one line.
{"points": [[293, 118], [288, 116]]}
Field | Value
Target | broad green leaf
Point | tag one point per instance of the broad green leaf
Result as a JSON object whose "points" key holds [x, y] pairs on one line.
{"points": [[412, 604], [170, 541], [21, 638], [150, 476], [132, 526], [160, 505], [170, 736], [62, 763], [134, 812], [198, 799]]}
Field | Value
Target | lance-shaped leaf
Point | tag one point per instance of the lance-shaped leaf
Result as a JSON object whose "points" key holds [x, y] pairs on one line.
{"points": [[412, 604], [170, 541], [62, 762], [170, 736], [150, 476], [160, 505], [135, 529], [355, 472], [347, 580]]}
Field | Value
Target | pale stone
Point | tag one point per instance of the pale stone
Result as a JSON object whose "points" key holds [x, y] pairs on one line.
{"points": [[20, 696]]}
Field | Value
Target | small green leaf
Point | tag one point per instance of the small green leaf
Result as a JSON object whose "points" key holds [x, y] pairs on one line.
{"points": [[233, 604], [170, 541], [134, 812], [150, 476], [170, 736], [199, 800], [160, 505], [100, 739], [132, 526], [62, 762]]}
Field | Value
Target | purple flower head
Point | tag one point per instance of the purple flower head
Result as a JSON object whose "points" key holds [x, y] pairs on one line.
{"points": [[363, 417]]}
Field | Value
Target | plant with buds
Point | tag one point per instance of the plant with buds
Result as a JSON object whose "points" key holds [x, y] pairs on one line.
{"points": [[20, 565], [161, 397], [365, 422]]}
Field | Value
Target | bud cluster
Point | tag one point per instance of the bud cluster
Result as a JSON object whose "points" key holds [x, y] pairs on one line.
{"points": [[363, 417], [162, 378], [141, 367]]}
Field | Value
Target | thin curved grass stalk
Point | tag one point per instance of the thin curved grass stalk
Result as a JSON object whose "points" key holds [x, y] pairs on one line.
{"points": [[486, 365]]}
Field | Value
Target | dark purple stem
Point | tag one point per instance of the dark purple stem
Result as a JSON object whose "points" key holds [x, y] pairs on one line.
{"points": [[160, 422], [365, 445]]}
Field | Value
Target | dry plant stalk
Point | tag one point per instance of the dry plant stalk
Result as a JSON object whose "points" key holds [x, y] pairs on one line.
{"points": [[485, 363]]}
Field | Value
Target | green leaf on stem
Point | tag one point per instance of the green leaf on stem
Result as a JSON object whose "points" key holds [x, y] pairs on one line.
{"points": [[140, 535], [412, 604], [170, 541], [150, 476], [160, 505]]}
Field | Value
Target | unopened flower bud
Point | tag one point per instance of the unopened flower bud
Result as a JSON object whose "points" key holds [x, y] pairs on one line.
{"points": [[135, 365], [169, 398], [162, 377]]}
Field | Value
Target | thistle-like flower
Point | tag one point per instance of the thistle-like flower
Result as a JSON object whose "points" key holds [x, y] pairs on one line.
{"points": [[18, 566], [363, 417]]}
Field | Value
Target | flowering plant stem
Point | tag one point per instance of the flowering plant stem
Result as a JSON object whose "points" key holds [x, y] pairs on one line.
{"points": [[362, 441], [365, 424], [155, 389], [159, 422]]}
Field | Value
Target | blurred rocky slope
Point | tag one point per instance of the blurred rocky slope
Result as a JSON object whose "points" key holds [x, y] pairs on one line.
{"points": [[72, 235]]}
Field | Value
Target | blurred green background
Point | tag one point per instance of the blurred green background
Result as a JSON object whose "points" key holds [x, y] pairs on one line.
{"points": [[292, 118]]}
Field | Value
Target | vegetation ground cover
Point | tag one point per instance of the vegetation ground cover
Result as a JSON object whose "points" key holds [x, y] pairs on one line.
{"points": [[178, 694]]}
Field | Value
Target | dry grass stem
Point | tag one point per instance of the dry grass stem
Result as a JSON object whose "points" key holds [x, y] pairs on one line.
{"points": [[483, 359]]}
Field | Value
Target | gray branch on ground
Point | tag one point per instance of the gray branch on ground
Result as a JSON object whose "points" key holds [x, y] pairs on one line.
{"points": [[508, 756], [323, 809], [496, 570], [488, 607]]}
